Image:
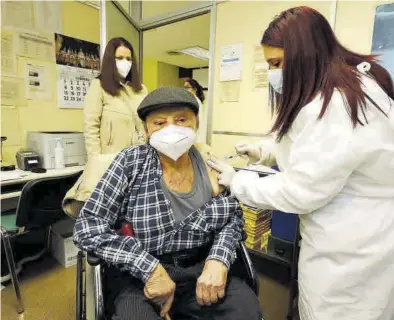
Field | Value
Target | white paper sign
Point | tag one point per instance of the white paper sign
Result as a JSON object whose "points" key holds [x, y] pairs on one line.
{"points": [[48, 15], [8, 52], [35, 45], [260, 69], [38, 84], [18, 14], [12, 91], [73, 84], [231, 62]]}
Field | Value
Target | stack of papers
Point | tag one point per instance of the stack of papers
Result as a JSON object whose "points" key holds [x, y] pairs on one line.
{"points": [[11, 175], [257, 226]]}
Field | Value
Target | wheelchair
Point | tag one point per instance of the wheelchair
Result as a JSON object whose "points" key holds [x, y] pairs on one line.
{"points": [[91, 288]]}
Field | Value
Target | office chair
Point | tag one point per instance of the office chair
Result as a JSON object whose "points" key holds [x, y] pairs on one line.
{"points": [[39, 206], [243, 268]]}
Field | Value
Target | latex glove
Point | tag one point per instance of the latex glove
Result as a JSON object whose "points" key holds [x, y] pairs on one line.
{"points": [[160, 289], [211, 284], [251, 150], [226, 171]]}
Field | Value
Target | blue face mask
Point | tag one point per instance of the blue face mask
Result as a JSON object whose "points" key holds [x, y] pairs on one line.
{"points": [[275, 78]]}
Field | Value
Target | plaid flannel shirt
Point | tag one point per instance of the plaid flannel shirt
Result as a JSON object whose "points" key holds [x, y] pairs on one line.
{"points": [[130, 191]]}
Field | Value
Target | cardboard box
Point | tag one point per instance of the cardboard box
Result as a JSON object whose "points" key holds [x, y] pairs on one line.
{"points": [[62, 246]]}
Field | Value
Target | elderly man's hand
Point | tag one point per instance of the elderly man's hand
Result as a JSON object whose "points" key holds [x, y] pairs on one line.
{"points": [[160, 289], [211, 284]]}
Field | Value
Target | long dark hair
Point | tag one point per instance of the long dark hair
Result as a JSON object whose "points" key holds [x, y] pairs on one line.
{"points": [[109, 76], [199, 89], [315, 62]]}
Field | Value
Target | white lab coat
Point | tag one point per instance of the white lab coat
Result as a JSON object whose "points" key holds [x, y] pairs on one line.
{"points": [[341, 181]]}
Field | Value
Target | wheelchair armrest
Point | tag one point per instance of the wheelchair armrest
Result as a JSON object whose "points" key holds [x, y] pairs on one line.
{"points": [[93, 260], [251, 276]]}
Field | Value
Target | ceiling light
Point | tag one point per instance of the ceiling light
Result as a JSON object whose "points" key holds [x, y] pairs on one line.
{"points": [[197, 52]]}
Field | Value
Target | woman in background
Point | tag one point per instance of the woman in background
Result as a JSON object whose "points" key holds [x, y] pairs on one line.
{"points": [[196, 89], [110, 119]]}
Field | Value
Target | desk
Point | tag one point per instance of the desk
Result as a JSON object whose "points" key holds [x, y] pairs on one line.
{"points": [[12, 189]]}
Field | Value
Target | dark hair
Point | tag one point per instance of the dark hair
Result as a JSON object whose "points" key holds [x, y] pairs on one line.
{"points": [[199, 89], [109, 76], [315, 62]]}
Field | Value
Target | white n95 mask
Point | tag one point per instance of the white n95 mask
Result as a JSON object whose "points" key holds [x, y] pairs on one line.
{"points": [[123, 67], [173, 141], [275, 78]]}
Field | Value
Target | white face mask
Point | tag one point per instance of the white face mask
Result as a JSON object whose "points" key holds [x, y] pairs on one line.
{"points": [[123, 67], [275, 78], [173, 141]]}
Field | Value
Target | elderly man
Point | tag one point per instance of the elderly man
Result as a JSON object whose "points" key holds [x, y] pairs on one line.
{"points": [[186, 229]]}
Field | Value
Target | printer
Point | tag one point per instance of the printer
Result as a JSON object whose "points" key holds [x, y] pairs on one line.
{"points": [[44, 143]]}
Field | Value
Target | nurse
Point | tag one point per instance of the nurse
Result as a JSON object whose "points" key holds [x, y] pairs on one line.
{"points": [[334, 130]]}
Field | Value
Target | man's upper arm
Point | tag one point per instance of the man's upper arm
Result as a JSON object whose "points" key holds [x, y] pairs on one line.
{"points": [[206, 154]]}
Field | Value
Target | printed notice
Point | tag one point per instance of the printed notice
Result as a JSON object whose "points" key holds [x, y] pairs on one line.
{"points": [[12, 93], [38, 84], [48, 15], [8, 56], [17, 14], [231, 62], [260, 69], [39, 46]]}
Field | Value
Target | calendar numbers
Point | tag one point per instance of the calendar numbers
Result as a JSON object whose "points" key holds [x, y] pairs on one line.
{"points": [[73, 85]]}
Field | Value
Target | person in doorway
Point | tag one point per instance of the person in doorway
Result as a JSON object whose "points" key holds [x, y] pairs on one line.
{"points": [[334, 145], [197, 90], [110, 114], [186, 227]]}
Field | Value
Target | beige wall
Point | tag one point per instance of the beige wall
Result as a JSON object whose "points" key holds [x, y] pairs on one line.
{"points": [[158, 74], [168, 75], [251, 114]]}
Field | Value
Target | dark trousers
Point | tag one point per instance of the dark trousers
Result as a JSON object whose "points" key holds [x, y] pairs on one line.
{"points": [[240, 302]]}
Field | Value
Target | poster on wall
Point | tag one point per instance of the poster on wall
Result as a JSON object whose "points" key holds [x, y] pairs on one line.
{"points": [[77, 63], [383, 36], [8, 52], [231, 62], [260, 69], [36, 45], [37, 79]]}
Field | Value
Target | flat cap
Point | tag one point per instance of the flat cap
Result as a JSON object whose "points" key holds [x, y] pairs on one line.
{"points": [[167, 97]]}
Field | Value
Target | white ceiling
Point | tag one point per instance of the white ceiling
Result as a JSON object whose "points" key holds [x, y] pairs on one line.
{"points": [[187, 33]]}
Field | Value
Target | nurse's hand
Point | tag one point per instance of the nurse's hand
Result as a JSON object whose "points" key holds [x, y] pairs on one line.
{"points": [[248, 149], [226, 171]]}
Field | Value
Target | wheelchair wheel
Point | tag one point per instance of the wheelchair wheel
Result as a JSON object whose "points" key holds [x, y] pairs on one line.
{"points": [[81, 287]]}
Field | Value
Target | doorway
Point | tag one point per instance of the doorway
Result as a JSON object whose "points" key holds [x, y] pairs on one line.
{"points": [[176, 52]]}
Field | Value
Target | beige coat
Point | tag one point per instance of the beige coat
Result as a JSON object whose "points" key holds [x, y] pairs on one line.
{"points": [[111, 122], [95, 169]]}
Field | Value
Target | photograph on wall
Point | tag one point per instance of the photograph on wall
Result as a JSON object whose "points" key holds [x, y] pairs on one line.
{"points": [[77, 53], [383, 36], [77, 63]]}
